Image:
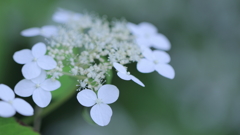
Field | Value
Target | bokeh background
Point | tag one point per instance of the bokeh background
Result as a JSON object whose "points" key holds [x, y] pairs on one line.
{"points": [[204, 97]]}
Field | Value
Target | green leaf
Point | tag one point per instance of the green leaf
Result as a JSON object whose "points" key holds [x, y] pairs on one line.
{"points": [[87, 117], [9, 126], [67, 86]]}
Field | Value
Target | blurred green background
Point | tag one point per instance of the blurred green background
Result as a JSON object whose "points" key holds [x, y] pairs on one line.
{"points": [[203, 99]]}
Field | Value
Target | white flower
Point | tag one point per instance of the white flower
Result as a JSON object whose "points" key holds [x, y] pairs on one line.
{"points": [[63, 16], [156, 60], [147, 35], [123, 74], [10, 104], [34, 60], [45, 31], [101, 112], [39, 88]]}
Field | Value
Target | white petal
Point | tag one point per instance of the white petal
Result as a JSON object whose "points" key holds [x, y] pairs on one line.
{"points": [[24, 88], [31, 70], [145, 66], [31, 32], [87, 97], [147, 27], [48, 31], [101, 114], [23, 56], [61, 16], [124, 76], [47, 62], [159, 41], [41, 78], [119, 67], [22, 107], [143, 48], [6, 93], [108, 93], [161, 56], [133, 28], [39, 50], [6, 110], [50, 85], [143, 41], [137, 81], [76, 16], [148, 54], [165, 70], [41, 97]]}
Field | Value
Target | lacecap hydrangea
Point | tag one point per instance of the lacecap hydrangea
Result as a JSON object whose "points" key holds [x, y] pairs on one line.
{"points": [[88, 47]]}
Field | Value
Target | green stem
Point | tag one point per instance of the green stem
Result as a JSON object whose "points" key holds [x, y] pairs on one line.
{"points": [[37, 119], [109, 76], [78, 77]]}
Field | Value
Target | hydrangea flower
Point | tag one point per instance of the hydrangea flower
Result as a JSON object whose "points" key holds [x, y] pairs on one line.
{"points": [[123, 74], [100, 112], [64, 16], [9, 104], [34, 60], [147, 35], [39, 88], [46, 31], [156, 60]]}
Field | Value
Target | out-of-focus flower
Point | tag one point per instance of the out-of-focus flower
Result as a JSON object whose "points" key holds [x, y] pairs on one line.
{"points": [[34, 60], [123, 74], [156, 60], [9, 104], [46, 31], [39, 88], [101, 112], [63, 16], [148, 36]]}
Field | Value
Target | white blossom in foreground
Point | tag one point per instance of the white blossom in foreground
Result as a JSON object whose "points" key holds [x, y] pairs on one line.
{"points": [[156, 60], [34, 60], [46, 31], [9, 104], [148, 36], [39, 88], [64, 16], [123, 74], [101, 112]]}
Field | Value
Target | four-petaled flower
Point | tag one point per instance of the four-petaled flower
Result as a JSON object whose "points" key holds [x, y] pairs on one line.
{"points": [[39, 88], [148, 36], [101, 112], [156, 60], [10, 104], [34, 60], [123, 74], [46, 31]]}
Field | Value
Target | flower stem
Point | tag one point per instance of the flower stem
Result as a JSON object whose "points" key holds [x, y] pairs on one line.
{"points": [[75, 76], [37, 119]]}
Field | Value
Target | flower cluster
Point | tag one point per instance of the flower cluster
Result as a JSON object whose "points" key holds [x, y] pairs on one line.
{"points": [[87, 47]]}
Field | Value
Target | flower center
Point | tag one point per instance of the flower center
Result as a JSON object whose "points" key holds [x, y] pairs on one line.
{"points": [[10, 101], [37, 85], [34, 59], [99, 101], [146, 35], [155, 62]]}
